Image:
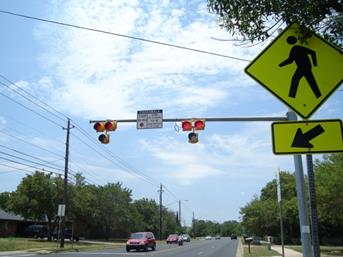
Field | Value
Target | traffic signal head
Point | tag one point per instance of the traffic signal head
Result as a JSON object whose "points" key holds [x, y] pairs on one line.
{"points": [[110, 125], [199, 124], [193, 138], [99, 127], [104, 138], [187, 125]]}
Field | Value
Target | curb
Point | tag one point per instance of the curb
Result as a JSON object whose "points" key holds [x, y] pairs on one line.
{"points": [[239, 252]]}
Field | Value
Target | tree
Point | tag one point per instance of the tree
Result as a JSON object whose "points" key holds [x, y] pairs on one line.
{"points": [[149, 211], [5, 201], [329, 194], [37, 197], [230, 227], [112, 203], [261, 215], [258, 20]]}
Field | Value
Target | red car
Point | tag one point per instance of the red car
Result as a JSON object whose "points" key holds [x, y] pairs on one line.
{"points": [[141, 241], [172, 239]]}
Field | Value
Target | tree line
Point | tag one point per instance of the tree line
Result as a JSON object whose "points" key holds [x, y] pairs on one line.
{"points": [[261, 215], [95, 211], [106, 211]]}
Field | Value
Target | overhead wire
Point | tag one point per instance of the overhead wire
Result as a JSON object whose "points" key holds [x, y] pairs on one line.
{"points": [[122, 35], [125, 168], [28, 99], [120, 160], [123, 165], [35, 112], [29, 143], [31, 156]]}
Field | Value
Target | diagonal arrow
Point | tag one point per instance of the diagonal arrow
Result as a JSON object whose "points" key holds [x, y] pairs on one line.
{"points": [[303, 139]]}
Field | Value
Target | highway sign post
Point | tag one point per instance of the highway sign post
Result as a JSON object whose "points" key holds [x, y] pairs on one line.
{"points": [[302, 76], [307, 137]]}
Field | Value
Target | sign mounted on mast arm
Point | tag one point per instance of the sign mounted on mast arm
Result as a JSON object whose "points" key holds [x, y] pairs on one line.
{"points": [[301, 75]]}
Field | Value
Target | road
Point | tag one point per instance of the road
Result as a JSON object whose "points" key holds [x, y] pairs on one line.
{"points": [[197, 248]]}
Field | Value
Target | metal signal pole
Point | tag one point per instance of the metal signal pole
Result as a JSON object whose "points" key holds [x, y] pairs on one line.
{"points": [[302, 205]]}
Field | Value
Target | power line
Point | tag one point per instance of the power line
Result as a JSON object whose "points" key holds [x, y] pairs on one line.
{"points": [[118, 164], [31, 156], [33, 102], [27, 165], [26, 142], [122, 35], [35, 112], [117, 158]]}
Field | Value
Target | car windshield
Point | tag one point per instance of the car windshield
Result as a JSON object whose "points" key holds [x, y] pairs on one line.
{"points": [[137, 235]]}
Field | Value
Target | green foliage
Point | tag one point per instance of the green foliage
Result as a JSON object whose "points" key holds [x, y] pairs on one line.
{"points": [[258, 20], [230, 227], [261, 215], [329, 196], [35, 197], [5, 201]]}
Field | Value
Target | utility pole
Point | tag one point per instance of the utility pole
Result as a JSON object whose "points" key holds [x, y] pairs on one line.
{"points": [[193, 224], [180, 222], [65, 189], [279, 195], [160, 191]]}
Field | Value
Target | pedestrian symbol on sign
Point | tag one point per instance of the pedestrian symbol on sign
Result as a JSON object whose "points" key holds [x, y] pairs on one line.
{"points": [[301, 75], [299, 55]]}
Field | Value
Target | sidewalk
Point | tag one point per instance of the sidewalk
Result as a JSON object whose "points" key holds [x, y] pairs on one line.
{"points": [[288, 252]]}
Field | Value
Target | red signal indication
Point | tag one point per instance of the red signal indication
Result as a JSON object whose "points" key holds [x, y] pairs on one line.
{"points": [[110, 125], [199, 124], [187, 125]]}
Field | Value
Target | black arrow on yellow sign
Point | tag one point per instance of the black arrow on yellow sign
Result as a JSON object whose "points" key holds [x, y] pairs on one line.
{"points": [[303, 139]]}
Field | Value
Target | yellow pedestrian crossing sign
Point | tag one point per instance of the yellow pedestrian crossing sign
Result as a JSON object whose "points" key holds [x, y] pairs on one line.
{"points": [[302, 75], [307, 137]]}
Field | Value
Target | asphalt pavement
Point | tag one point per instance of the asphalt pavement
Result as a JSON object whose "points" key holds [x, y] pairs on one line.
{"points": [[204, 248]]}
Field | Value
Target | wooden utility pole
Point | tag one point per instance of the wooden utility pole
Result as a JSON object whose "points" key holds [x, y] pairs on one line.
{"points": [[65, 189]]}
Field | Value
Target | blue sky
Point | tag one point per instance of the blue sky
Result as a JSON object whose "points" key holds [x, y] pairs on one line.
{"points": [[87, 76]]}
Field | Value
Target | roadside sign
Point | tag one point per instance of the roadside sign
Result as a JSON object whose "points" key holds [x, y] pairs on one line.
{"points": [[149, 119], [61, 210], [307, 137], [302, 76]]}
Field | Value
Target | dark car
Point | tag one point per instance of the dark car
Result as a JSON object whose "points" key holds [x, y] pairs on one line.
{"points": [[68, 234], [233, 236], [256, 240], [36, 231], [141, 241]]}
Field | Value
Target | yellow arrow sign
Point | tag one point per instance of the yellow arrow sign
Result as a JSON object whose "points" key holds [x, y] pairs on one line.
{"points": [[315, 136], [302, 76]]}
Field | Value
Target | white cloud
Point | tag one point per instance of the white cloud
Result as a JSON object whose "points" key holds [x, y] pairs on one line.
{"points": [[105, 76], [244, 154]]}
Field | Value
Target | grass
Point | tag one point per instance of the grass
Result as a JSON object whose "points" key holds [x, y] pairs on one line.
{"points": [[326, 250], [17, 244], [258, 251]]}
